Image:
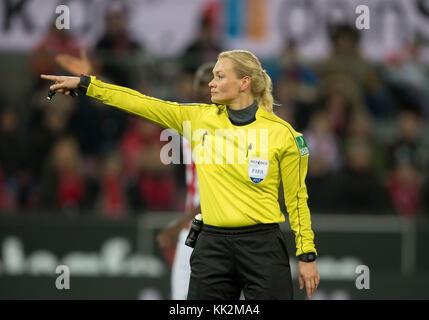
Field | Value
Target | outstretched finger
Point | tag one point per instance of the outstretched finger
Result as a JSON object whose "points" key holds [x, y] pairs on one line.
{"points": [[51, 77]]}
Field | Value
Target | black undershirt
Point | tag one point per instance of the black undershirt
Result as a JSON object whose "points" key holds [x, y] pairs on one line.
{"points": [[243, 116]]}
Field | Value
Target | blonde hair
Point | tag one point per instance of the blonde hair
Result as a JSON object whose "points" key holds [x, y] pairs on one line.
{"points": [[247, 64]]}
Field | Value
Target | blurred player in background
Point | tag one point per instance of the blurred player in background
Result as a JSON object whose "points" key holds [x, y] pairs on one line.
{"points": [[176, 233]]}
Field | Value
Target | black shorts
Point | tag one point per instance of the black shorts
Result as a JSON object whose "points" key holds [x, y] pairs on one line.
{"points": [[252, 259]]}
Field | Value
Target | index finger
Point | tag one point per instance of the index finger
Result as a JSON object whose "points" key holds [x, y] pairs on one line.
{"points": [[49, 77]]}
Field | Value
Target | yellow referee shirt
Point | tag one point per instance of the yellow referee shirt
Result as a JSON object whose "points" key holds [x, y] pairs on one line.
{"points": [[239, 167]]}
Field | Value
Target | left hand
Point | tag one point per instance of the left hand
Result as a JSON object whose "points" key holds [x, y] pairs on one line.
{"points": [[308, 275]]}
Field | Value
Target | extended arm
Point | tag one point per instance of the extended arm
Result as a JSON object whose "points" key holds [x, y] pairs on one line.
{"points": [[166, 114]]}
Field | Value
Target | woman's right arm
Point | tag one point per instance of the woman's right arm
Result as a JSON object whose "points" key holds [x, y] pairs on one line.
{"points": [[166, 114]]}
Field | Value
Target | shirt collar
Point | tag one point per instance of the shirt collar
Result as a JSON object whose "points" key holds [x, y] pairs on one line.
{"points": [[243, 116]]}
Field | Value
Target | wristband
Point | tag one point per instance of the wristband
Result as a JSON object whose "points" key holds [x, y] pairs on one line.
{"points": [[84, 83], [307, 257]]}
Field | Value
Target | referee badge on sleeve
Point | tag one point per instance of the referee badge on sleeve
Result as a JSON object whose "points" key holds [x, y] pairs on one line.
{"points": [[257, 169], [302, 145]]}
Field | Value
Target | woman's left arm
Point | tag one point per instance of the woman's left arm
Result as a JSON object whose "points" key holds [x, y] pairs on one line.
{"points": [[293, 166]]}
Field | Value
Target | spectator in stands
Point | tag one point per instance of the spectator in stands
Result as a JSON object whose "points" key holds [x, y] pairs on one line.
{"points": [[405, 188], [116, 51], [357, 188], [409, 157], [117, 55], [112, 197], [47, 122], [348, 69], [339, 110], [295, 87], [406, 74], [152, 184], [64, 188], [292, 67], [18, 183], [184, 88], [56, 41], [408, 145], [325, 160], [287, 107], [203, 49], [362, 126]]}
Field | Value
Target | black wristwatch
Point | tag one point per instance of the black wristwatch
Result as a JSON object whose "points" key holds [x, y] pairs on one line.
{"points": [[84, 83], [307, 257]]}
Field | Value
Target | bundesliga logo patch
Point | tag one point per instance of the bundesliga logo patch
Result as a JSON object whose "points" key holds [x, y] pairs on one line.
{"points": [[302, 146]]}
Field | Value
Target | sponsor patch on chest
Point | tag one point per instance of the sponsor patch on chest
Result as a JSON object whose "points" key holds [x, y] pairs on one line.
{"points": [[257, 169]]}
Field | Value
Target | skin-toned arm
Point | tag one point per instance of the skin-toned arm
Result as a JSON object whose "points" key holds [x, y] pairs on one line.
{"points": [[169, 235]]}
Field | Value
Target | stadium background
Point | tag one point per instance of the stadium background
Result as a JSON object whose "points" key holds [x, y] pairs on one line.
{"points": [[82, 184]]}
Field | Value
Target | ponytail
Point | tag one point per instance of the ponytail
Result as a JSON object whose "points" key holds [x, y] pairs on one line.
{"points": [[265, 98]]}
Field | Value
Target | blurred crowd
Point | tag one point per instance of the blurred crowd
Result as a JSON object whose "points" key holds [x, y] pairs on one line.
{"points": [[365, 124]]}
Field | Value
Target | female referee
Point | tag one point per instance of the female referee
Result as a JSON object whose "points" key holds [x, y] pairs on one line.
{"points": [[240, 246]]}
